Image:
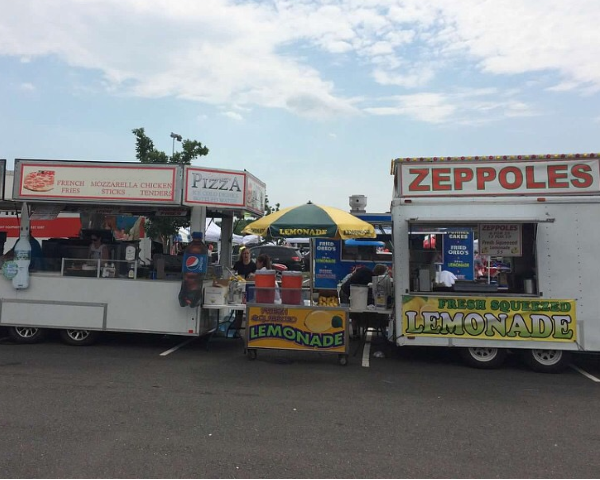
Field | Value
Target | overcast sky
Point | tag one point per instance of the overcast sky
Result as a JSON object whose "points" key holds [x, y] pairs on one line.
{"points": [[315, 98]]}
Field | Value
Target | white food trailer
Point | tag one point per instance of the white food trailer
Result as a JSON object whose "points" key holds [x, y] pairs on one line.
{"points": [[498, 253], [124, 294]]}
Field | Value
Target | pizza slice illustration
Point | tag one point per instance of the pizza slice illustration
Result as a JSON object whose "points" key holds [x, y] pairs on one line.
{"points": [[40, 181]]}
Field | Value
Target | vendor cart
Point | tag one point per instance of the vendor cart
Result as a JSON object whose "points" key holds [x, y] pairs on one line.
{"points": [[305, 326]]}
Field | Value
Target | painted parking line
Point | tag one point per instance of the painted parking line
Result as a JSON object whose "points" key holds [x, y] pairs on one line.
{"points": [[585, 374], [177, 347], [367, 349]]}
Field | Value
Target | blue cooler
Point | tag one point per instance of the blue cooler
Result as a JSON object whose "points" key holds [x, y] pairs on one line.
{"points": [[250, 298]]}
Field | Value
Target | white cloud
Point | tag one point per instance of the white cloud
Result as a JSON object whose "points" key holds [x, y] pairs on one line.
{"points": [[463, 107], [242, 54], [27, 87], [233, 115], [427, 107]]}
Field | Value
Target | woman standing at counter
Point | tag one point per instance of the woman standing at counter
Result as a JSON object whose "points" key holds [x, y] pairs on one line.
{"points": [[245, 266]]}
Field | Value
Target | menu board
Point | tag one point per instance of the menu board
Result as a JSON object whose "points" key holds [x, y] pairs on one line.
{"points": [[500, 240], [226, 189], [73, 181], [458, 253]]}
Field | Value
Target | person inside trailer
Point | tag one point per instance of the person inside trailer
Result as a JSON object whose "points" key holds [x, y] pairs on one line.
{"points": [[98, 251]]}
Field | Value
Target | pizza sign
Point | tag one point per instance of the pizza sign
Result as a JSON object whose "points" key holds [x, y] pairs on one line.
{"points": [[39, 181], [93, 182]]}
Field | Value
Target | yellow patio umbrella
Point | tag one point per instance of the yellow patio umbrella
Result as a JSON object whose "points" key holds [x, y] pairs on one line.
{"points": [[312, 221]]}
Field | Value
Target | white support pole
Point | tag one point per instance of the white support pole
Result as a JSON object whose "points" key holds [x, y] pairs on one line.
{"points": [[226, 241], [198, 220]]}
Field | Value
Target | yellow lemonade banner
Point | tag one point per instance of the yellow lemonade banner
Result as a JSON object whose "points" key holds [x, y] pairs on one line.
{"points": [[301, 328], [492, 318]]}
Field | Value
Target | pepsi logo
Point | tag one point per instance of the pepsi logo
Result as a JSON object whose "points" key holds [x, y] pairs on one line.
{"points": [[192, 262]]}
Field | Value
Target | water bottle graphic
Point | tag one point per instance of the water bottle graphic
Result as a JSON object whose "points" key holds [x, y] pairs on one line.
{"points": [[195, 265], [22, 259]]}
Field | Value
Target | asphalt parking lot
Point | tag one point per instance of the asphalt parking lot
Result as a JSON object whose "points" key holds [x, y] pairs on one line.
{"points": [[151, 406]]}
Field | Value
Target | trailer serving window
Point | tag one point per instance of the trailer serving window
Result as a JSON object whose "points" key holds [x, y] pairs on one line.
{"points": [[473, 257], [366, 251]]}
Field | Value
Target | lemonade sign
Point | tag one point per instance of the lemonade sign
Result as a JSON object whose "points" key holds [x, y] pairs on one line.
{"points": [[492, 318], [297, 328]]}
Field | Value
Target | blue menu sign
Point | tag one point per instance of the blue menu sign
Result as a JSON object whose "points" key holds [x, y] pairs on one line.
{"points": [[326, 263], [459, 253]]}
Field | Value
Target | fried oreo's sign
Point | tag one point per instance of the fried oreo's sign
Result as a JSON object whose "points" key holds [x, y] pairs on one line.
{"points": [[429, 179]]}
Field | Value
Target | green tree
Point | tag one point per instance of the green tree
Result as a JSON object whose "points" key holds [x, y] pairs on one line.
{"points": [[165, 227]]}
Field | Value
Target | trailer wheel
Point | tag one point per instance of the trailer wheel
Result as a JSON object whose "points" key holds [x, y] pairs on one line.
{"points": [[483, 357], [343, 360], [252, 354], [26, 334], [79, 338], [546, 361]]}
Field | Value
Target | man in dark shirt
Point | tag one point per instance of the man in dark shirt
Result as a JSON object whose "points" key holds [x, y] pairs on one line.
{"points": [[362, 276]]}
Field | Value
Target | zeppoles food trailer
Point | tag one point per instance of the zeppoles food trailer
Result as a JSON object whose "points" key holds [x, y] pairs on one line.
{"points": [[135, 289], [497, 253]]}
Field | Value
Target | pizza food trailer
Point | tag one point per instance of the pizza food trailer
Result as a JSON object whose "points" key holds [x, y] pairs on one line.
{"points": [[136, 289], [497, 253]]}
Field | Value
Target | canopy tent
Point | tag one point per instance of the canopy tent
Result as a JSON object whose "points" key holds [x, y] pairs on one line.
{"points": [[211, 234]]}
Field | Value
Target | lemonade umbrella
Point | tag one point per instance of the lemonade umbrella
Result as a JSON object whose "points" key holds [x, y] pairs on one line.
{"points": [[311, 220]]}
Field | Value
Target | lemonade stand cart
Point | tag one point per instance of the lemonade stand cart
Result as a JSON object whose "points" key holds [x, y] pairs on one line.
{"points": [[300, 325]]}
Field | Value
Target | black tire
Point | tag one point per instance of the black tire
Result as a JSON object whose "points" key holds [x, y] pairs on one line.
{"points": [[547, 361], [252, 354], [26, 334], [79, 338], [483, 357]]}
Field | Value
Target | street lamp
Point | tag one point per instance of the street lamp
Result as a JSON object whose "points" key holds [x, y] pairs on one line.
{"points": [[175, 136]]}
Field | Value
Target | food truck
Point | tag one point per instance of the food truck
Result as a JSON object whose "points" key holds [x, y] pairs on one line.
{"points": [[136, 288], [496, 253]]}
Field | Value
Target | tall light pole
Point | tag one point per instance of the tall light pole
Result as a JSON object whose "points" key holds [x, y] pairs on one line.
{"points": [[175, 136]]}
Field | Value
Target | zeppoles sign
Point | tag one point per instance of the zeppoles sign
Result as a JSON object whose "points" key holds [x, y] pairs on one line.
{"points": [[427, 179]]}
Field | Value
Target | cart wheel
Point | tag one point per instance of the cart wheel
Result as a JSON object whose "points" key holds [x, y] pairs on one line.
{"points": [[343, 360], [252, 354]]}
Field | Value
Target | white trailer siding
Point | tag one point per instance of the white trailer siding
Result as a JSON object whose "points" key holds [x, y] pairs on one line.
{"points": [[110, 304], [567, 236]]}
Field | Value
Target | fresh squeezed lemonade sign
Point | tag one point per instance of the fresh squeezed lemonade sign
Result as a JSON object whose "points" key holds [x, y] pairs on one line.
{"points": [[489, 318], [287, 328]]}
